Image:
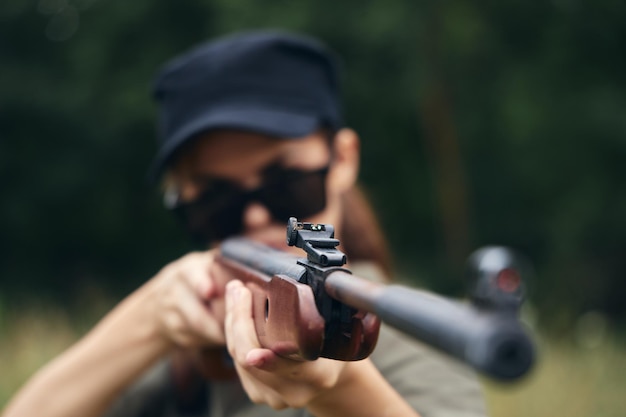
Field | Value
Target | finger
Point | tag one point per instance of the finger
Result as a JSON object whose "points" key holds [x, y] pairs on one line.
{"points": [[263, 359], [196, 272], [241, 330], [173, 325], [198, 318], [239, 327], [268, 361]]}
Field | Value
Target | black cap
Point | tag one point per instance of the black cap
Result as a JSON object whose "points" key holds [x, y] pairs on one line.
{"points": [[275, 83]]}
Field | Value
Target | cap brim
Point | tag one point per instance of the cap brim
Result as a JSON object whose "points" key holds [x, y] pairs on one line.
{"points": [[272, 122]]}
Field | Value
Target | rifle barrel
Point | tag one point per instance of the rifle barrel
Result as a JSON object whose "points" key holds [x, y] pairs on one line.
{"points": [[492, 342]]}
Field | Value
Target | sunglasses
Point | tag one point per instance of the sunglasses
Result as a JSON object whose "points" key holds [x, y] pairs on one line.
{"points": [[218, 212]]}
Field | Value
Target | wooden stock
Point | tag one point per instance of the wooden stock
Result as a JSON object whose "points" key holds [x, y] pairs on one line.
{"points": [[288, 322]]}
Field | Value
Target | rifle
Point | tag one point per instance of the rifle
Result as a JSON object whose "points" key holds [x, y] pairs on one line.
{"points": [[309, 308]]}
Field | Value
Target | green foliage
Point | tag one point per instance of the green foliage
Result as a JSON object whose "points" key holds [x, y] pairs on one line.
{"points": [[531, 94]]}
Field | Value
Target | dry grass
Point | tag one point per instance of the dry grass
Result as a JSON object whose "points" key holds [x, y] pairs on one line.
{"points": [[29, 340], [569, 380]]}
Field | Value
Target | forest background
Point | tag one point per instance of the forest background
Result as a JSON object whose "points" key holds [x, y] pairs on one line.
{"points": [[491, 122]]}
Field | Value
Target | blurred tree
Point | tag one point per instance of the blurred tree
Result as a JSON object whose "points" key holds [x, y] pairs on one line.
{"points": [[491, 122]]}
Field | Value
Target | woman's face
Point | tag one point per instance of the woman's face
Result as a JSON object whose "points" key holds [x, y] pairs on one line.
{"points": [[246, 161]]}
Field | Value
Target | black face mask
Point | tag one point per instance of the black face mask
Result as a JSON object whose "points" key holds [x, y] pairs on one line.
{"points": [[218, 212]]}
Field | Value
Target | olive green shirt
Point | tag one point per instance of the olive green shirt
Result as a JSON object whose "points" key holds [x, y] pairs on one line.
{"points": [[435, 385]]}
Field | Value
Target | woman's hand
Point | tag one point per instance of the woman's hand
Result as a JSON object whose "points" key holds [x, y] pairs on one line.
{"points": [[181, 306], [266, 377], [188, 301], [325, 387]]}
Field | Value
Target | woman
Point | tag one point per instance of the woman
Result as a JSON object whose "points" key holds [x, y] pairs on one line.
{"points": [[250, 131]]}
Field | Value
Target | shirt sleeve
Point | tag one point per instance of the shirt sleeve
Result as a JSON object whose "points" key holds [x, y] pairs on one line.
{"points": [[151, 395], [435, 385]]}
